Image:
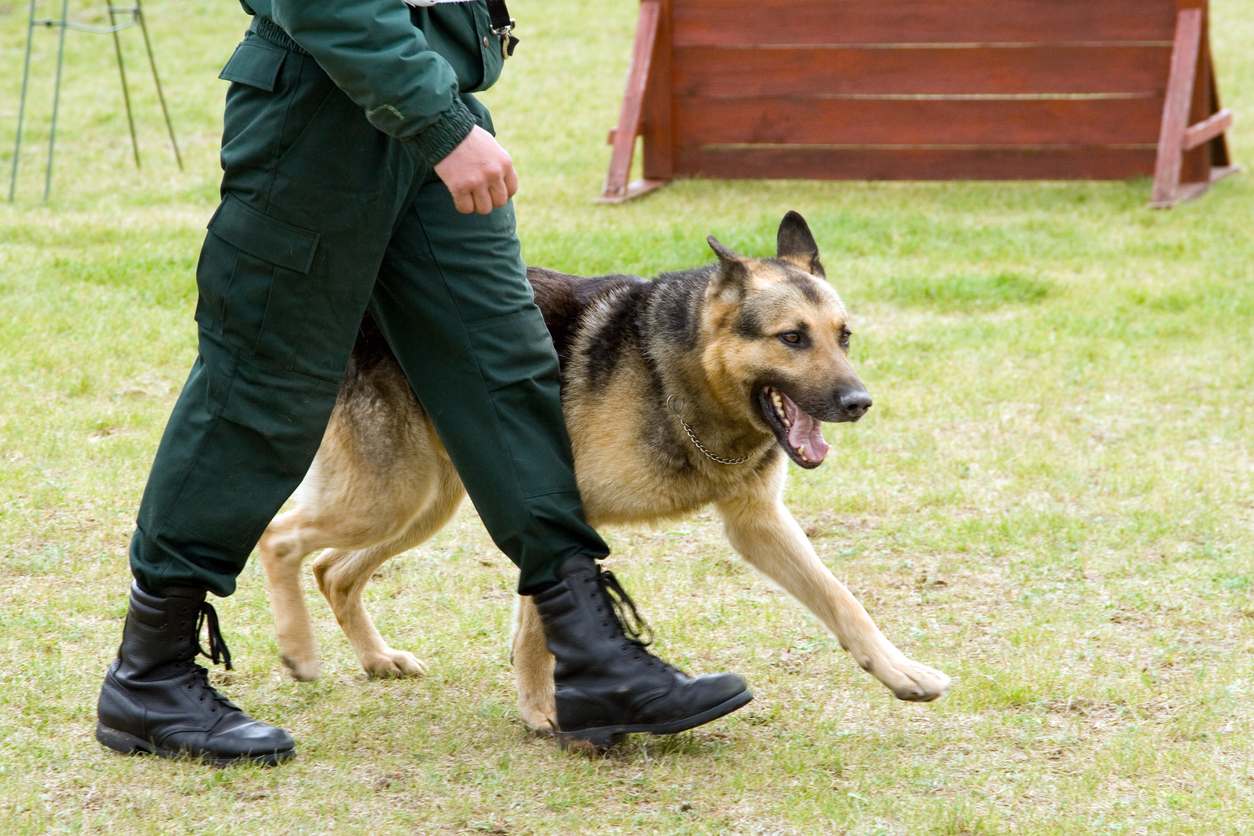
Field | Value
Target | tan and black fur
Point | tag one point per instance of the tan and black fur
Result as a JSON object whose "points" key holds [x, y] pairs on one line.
{"points": [[750, 354]]}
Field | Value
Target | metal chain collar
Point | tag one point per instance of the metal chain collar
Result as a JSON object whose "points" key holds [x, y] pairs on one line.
{"points": [[671, 401]]}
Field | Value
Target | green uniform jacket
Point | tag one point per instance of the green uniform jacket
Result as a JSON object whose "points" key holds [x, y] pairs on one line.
{"points": [[411, 70]]}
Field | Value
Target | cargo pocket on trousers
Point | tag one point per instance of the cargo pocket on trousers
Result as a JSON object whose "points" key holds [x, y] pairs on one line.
{"points": [[256, 63], [253, 280]]}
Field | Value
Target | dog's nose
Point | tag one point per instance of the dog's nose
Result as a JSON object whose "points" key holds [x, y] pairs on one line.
{"points": [[855, 402]]}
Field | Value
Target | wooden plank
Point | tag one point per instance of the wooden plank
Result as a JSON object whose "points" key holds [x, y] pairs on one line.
{"points": [[914, 163], [723, 22], [916, 121], [1207, 129], [992, 71], [624, 134], [1175, 116]]}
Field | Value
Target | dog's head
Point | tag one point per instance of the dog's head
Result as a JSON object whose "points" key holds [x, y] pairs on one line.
{"points": [[778, 342]]}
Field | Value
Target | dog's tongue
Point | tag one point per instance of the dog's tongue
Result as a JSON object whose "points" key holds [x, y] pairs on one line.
{"points": [[805, 435]]}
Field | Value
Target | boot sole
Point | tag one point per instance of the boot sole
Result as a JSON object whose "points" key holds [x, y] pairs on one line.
{"points": [[129, 744], [605, 736]]}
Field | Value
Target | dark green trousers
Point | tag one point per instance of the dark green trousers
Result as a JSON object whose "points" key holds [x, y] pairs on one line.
{"points": [[322, 217]]}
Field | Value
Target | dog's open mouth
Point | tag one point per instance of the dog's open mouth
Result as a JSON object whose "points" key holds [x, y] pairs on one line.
{"points": [[799, 432]]}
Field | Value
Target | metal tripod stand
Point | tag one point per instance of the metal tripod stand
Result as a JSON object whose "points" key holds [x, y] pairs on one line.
{"points": [[120, 17]]}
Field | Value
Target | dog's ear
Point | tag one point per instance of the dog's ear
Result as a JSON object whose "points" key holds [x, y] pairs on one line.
{"points": [[796, 244], [733, 274]]}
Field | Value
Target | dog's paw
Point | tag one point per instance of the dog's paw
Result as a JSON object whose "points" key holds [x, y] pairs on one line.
{"points": [[909, 680], [303, 668], [541, 720], [394, 663]]}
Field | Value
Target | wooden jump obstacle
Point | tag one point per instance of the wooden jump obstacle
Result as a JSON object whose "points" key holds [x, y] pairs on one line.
{"points": [[936, 90]]}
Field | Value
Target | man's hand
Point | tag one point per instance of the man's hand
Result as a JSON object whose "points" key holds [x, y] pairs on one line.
{"points": [[479, 173]]}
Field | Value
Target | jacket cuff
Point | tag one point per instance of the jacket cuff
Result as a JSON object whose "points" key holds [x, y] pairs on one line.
{"points": [[438, 141]]}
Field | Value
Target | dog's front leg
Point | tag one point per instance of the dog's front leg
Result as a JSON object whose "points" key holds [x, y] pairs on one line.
{"points": [[533, 669], [766, 535], [282, 552]]}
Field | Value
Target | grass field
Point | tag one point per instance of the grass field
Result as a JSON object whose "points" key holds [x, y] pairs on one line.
{"points": [[1052, 500]]}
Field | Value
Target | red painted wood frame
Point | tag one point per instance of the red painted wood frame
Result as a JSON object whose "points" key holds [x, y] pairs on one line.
{"points": [[903, 90]]}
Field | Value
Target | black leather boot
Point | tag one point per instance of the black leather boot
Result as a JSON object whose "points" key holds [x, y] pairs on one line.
{"points": [[608, 684], [156, 699]]}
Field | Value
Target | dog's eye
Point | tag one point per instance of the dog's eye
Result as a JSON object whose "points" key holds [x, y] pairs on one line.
{"points": [[844, 338], [792, 338]]}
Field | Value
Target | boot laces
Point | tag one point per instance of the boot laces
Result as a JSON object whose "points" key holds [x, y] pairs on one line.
{"points": [[634, 626], [218, 652]]}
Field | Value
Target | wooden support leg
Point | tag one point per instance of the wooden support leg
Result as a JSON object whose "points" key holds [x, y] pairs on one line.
{"points": [[1180, 79], [1177, 136], [623, 137]]}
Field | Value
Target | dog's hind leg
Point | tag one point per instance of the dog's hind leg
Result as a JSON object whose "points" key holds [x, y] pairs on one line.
{"points": [[288, 540], [342, 575], [765, 533], [533, 669]]}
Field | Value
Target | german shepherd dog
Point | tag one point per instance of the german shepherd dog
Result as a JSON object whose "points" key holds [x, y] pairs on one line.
{"points": [[689, 390]]}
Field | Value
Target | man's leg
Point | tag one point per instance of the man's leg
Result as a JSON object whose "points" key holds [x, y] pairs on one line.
{"points": [[310, 192], [454, 304]]}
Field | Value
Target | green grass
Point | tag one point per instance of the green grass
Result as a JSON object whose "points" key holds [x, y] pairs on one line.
{"points": [[1052, 499]]}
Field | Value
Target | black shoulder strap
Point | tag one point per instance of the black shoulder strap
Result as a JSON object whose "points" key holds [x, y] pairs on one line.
{"points": [[503, 25]]}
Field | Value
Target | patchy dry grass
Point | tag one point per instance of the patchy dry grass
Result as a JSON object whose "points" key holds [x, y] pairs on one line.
{"points": [[1053, 499]]}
